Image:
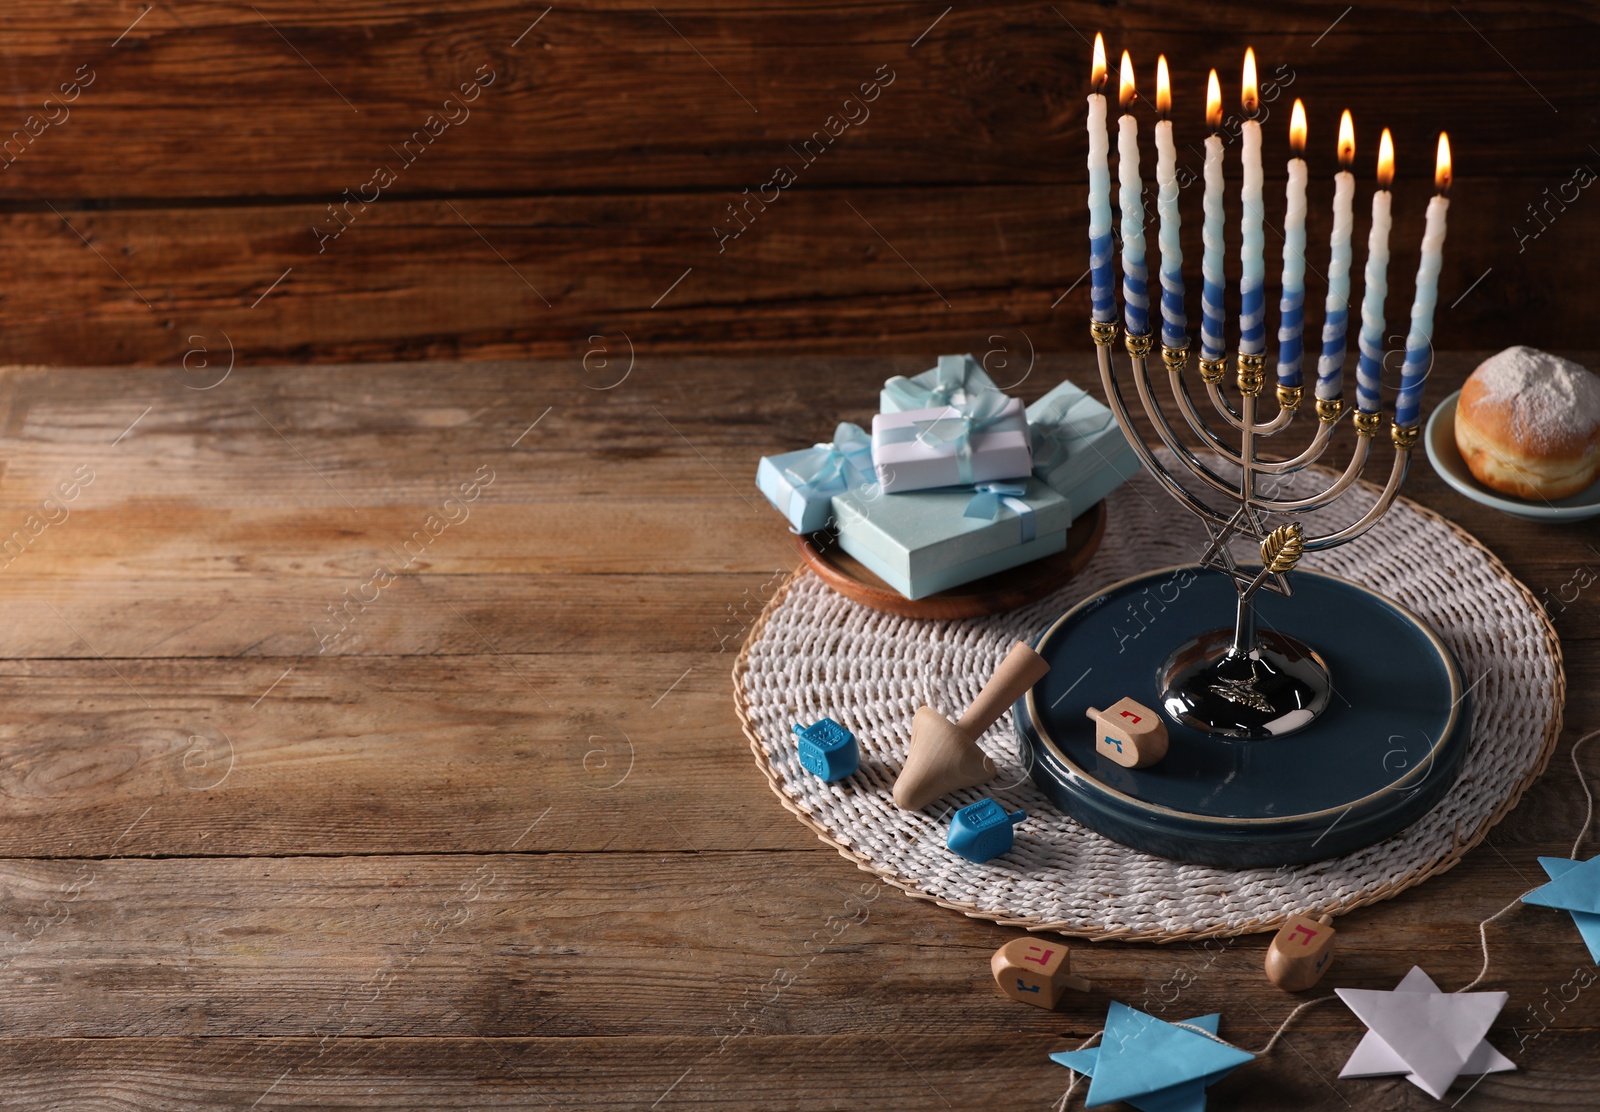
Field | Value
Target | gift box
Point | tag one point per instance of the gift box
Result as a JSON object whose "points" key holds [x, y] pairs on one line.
{"points": [[956, 380], [960, 444], [931, 540], [1078, 447], [802, 484]]}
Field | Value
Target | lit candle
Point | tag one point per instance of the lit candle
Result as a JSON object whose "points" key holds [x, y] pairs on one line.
{"points": [[1369, 373], [1174, 325], [1102, 278], [1292, 307], [1252, 260], [1419, 340], [1211, 271], [1330, 365], [1130, 195]]}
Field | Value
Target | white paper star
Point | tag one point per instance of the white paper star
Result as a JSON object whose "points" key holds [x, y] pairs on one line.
{"points": [[1430, 1036]]}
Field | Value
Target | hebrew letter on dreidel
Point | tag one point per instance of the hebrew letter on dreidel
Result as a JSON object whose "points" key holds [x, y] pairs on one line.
{"points": [[944, 755]]}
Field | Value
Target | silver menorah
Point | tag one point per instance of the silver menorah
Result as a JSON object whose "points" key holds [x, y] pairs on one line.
{"points": [[1245, 682]]}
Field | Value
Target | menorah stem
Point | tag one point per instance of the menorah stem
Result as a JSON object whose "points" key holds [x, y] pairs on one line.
{"points": [[1244, 626]]}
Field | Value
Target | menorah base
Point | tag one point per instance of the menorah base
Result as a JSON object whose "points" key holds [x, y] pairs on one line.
{"points": [[1275, 690]]}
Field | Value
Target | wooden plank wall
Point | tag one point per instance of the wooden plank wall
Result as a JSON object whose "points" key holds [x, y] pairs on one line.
{"points": [[175, 172]]}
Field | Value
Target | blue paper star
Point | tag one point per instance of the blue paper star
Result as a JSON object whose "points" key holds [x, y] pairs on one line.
{"points": [[1575, 887], [1154, 1065]]}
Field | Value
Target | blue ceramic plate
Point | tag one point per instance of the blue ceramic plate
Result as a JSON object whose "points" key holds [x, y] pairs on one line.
{"points": [[1384, 752], [1447, 461]]}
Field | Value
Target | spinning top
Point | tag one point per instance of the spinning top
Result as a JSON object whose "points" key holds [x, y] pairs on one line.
{"points": [[944, 755], [1034, 972], [982, 831], [1129, 733], [1300, 953]]}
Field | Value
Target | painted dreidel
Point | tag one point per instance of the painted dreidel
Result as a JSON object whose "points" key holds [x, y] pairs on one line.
{"points": [[982, 831], [1300, 953], [1129, 733], [944, 755], [827, 750], [1035, 972]]}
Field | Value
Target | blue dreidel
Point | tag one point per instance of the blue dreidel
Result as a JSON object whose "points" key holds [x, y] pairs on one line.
{"points": [[828, 750], [982, 831]]}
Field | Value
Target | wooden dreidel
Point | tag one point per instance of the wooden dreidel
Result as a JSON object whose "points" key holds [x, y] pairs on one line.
{"points": [[827, 750], [1129, 733], [1300, 953], [944, 755], [1034, 972]]}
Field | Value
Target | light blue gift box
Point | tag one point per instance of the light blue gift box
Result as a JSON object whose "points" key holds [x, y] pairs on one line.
{"points": [[931, 540], [1078, 447], [956, 379], [801, 485]]}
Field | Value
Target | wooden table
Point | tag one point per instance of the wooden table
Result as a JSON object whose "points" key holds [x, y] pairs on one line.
{"points": [[493, 839]]}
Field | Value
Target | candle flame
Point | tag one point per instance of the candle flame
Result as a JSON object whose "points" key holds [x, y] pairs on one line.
{"points": [[1249, 94], [1097, 79], [1347, 141], [1213, 102], [1297, 129], [1441, 172], [1127, 93], [1163, 87], [1385, 160]]}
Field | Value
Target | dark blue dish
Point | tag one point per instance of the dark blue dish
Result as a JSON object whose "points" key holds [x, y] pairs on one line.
{"points": [[1385, 751]]}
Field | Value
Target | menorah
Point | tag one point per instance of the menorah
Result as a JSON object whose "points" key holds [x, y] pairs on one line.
{"points": [[1245, 682]]}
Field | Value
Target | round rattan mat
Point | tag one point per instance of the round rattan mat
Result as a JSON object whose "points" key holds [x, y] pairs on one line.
{"points": [[815, 653]]}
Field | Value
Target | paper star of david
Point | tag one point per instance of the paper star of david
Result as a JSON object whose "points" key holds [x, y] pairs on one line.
{"points": [[1430, 1036], [1153, 1065], [1245, 522], [1574, 887]]}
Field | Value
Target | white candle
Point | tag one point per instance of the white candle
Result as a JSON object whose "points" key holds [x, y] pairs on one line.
{"points": [[1174, 323], [1330, 365], [1369, 372], [1252, 247], [1130, 196], [1102, 278], [1419, 340], [1292, 306], [1211, 261]]}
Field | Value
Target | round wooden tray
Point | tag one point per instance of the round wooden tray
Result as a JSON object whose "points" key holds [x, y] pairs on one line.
{"points": [[992, 594]]}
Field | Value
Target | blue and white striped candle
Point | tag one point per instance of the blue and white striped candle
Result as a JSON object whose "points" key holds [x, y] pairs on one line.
{"points": [[1174, 323], [1130, 196], [1336, 318], [1252, 247], [1419, 340], [1211, 262], [1369, 372], [1292, 305], [1102, 276]]}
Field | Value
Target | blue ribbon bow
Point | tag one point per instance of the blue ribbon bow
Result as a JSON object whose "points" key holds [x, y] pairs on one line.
{"points": [[990, 497], [956, 380], [832, 467]]}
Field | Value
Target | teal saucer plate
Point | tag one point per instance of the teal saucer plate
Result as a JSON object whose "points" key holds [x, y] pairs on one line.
{"points": [[1388, 747], [1440, 440]]}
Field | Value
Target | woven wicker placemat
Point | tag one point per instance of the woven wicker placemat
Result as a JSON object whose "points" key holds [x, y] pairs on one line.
{"points": [[814, 653]]}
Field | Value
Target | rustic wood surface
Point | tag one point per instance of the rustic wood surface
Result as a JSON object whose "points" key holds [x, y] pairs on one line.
{"points": [[179, 199], [500, 843]]}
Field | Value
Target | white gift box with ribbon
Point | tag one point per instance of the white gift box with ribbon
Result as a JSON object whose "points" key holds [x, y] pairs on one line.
{"points": [[982, 440]]}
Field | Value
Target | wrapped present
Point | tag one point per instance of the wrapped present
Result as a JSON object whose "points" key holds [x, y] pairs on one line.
{"points": [[802, 484], [931, 540], [955, 381], [1078, 447], [975, 441]]}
